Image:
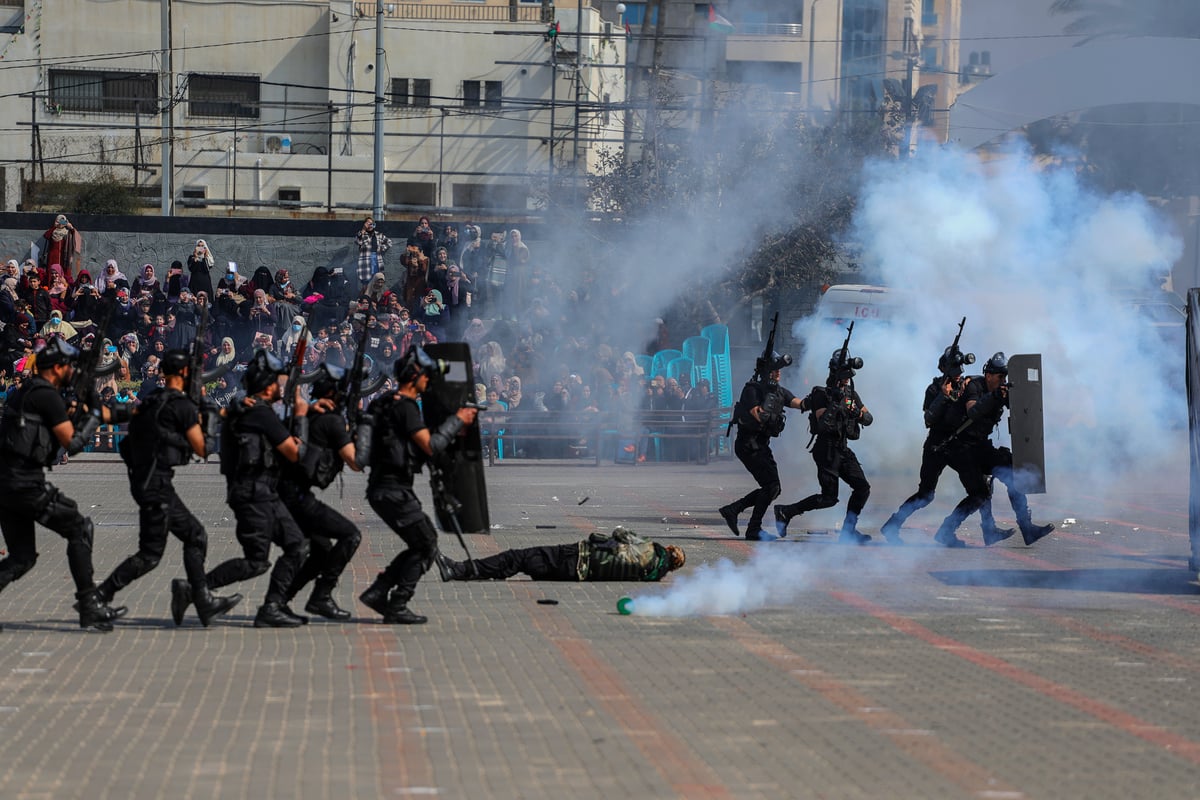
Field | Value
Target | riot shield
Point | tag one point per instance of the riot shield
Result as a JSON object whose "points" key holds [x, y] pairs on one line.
{"points": [[1025, 423], [462, 468]]}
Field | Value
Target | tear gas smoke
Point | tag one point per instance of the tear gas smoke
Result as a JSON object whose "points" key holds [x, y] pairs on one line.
{"points": [[1037, 264]]}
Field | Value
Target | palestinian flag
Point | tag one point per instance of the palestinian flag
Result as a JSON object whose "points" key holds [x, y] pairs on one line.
{"points": [[628, 33], [717, 22]]}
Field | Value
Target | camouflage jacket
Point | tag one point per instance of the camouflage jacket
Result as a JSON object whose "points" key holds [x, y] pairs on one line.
{"points": [[621, 556]]}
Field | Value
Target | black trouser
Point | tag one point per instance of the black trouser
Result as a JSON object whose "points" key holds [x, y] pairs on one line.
{"points": [[161, 511], [399, 507], [556, 562], [28, 502], [754, 452], [333, 539], [933, 463], [262, 518], [835, 461], [974, 462]]}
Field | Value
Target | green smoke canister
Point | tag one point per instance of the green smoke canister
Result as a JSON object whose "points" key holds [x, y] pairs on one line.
{"points": [[625, 606]]}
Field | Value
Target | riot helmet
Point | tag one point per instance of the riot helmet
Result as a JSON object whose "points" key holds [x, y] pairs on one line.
{"points": [[776, 361], [330, 381], [175, 361], [842, 365], [952, 360], [57, 351], [996, 365], [415, 363], [261, 372]]}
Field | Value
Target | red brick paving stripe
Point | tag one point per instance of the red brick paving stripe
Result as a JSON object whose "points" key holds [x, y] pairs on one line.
{"points": [[928, 750], [686, 774], [1135, 726]]}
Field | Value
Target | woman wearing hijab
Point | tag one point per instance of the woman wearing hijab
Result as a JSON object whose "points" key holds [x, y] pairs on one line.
{"points": [[176, 282], [85, 301], [227, 353], [60, 290], [57, 325], [291, 338], [130, 351], [111, 278], [262, 279], [61, 245], [145, 282], [200, 264]]}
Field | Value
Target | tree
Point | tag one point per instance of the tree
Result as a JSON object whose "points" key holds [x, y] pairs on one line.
{"points": [[787, 185]]}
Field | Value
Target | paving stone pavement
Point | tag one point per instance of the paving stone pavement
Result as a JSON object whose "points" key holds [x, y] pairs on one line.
{"points": [[1061, 670]]}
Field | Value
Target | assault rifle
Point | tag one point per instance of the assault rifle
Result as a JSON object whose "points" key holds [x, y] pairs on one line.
{"points": [[954, 358], [765, 365], [293, 382], [843, 360], [355, 392], [87, 368]]}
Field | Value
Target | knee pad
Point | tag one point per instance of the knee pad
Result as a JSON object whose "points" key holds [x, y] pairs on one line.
{"points": [[258, 568], [87, 531], [426, 546], [145, 563], [772, 490], [351, 540]]}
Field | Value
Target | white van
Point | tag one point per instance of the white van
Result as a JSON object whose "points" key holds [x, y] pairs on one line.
{"points": [[853, 302]]}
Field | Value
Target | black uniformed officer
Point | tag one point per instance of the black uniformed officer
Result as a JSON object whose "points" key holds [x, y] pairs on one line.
{"points": [[393, 439], [332, 538], [943, 415], [838, 415], [753, 443], [973, 456], [34, 425], [253, 441], [164, 433]]}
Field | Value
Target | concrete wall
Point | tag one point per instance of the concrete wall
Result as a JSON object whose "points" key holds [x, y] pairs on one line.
{"points": [[299, 245]]}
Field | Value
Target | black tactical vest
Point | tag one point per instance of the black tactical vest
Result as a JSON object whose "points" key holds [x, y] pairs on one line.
{"points": [[24, 437]]}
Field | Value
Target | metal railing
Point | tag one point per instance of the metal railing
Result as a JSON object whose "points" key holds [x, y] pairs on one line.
{"points": [[459, 12], [649, 437], [769, 29]]}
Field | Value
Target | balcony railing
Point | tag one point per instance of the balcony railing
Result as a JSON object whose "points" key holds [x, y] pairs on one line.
{"points": [[458, 12], [769, 29]]}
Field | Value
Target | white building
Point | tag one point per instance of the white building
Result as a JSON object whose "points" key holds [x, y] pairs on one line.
{"points": [[272, 102]]}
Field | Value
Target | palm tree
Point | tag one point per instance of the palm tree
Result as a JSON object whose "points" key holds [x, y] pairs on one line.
{"points": [[1097, 19]]}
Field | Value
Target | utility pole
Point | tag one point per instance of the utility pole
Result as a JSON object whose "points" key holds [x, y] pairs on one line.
{"points": [[377, 175], [167, 80]]}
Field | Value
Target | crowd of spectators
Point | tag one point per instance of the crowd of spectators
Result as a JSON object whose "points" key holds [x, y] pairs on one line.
{"points": [[545, 356]]}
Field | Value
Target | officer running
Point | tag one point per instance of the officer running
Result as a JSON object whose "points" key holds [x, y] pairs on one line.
{"points": [[973, 456], [942, 418], [253, 441], [393, 439], [760, 415], [164, 433], [837, 416], [332, 538], [33, 427]]}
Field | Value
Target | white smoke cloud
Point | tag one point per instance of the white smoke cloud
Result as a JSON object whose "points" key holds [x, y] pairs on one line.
{"points": [[1037, 264]]}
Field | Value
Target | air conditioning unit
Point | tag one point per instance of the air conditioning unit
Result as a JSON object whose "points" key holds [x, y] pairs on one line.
{"points": [[277, 143]]}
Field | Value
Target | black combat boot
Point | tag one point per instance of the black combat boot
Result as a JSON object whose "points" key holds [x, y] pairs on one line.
{"points": [[105, 593], [399, 613], [208, 605], [286, 609], [94, 615], [782, 517], [730, 514], [449, 569], [1032, 533], [181, 598], [272, 615], [376, 595], [322, 603], [891, 529], [849, 534]]}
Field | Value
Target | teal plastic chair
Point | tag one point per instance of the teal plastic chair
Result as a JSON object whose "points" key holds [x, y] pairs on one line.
{"points": [[645, 362], [697, 349], [718, 339], [678, 368], [661, 359]]}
